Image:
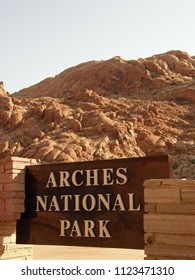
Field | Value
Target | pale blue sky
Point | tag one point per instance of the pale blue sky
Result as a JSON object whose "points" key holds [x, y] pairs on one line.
{"points": [[41, 38]]}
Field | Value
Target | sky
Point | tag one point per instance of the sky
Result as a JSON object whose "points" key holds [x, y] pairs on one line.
{"points": [[42, 38]]}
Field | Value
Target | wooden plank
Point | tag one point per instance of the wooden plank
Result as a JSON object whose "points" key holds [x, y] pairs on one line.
{"points": [[162, 196], [169, 223]]}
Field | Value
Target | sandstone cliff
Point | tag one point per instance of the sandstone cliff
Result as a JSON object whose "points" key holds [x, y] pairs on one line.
{"points": [[104, 110]]}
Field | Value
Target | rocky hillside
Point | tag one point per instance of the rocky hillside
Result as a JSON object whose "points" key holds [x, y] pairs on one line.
{"points": [[104, 110]]}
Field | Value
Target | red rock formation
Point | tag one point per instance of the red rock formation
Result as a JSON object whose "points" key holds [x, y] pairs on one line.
{"points": [[104, 110]]}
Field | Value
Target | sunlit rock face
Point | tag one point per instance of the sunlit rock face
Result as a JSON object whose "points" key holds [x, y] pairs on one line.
{"points": [[104, 110]]}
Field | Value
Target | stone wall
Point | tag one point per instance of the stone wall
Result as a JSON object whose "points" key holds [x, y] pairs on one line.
{"points": [[169, 220], [12, 195]]}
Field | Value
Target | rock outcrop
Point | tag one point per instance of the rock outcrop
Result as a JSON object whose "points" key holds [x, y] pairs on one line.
{"points": [[105, 110]]}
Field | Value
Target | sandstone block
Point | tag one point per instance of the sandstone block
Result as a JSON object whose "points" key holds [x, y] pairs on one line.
{"points": [[15, 208], [4, 217], [16, 252], [14, 187], [188, 195], [7, 229], [175, 239], [182, 209], [2, 205], [169, 223], [164, 251], [163, 196], [8, 239]]}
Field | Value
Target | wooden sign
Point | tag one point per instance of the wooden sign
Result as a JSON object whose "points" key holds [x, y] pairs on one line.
{"points": [[98, 203]]}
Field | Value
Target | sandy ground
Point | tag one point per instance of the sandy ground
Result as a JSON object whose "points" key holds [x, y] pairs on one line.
{"points": [[42, 252]]}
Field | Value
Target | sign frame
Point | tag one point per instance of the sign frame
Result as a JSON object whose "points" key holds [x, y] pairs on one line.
{"points": [[96, 204]]}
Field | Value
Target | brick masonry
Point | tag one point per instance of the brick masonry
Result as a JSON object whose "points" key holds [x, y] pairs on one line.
{"points": [[169, 220], [12, 195]]}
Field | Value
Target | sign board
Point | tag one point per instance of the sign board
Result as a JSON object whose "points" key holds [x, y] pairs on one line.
{"points": [[98, 203]]}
